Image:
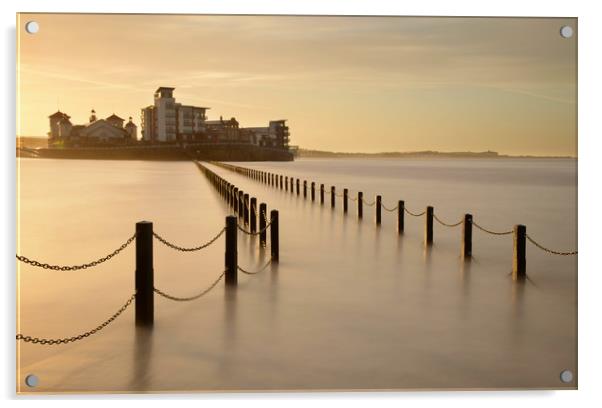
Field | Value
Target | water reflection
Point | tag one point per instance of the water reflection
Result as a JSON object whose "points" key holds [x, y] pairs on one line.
{"points": [[143, 349]]}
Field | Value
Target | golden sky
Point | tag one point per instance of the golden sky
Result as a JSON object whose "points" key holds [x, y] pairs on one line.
{"points": [[366, 84]]}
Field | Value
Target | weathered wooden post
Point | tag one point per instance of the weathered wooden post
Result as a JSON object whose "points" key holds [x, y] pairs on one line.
{"points": [[281, 182], [360, 205], [253, 215], [304, 188], [231, 251], [274, 242], [322, 194], [235, 203], [144, 279], [333, 196], [467, 236], [298, 187], [428, 238], [246, 209], [400, 216], [519, 262], [241, 204], [263, 209], [313, 191], [286, 183], [378, 209], [345, 194]]}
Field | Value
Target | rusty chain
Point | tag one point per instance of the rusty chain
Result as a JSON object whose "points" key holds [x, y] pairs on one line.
{"points": [[551, 251], [387, 209], [191, 249], [189, 298], [446, 224], [65, 340], [255, 272], [414, 214], [35, 263], [259, 231], [490, 231], [369, 204]]}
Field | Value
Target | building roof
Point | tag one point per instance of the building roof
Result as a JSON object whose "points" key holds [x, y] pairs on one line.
{"points": [[59, 114], [130, 124], [194, 107], [164, 88], [113, 116]]}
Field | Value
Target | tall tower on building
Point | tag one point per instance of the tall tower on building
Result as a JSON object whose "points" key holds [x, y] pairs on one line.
{"points": [[165, 108], [131, 129]]}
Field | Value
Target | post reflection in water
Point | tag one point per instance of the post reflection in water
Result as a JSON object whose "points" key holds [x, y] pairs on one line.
{"points": [[230, 335], [143, 350], [344, 288]]}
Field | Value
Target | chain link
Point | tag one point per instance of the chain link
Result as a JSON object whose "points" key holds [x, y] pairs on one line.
{"points": [[265, 217], [369, 204], [446, 224], [190, 298], [32, 262], [567, 253], [184, 249], [65, 340], [414, 214], [255, 272], [390, 210], [490, 231]]}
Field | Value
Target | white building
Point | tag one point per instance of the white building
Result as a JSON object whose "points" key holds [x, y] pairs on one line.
{"points": [[96, 132], [168, 121]]}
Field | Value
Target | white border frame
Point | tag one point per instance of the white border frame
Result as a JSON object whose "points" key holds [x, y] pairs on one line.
{"points": [[590, 133]]}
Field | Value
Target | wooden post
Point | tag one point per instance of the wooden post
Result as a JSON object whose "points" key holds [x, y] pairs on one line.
{"points": [[333, 196], [298, 187], [263, 209], [467, 236], [280, 182], [313, 191], [231, 251], [241, 203], [428, 238], [144, 280], [304, 188], [286, 183], [235, 203], [400, 216], [519, 262], [253, 215], [360, 205], [345, 197], [246, 209], [274, 243], [322, 194], [378, 209]]}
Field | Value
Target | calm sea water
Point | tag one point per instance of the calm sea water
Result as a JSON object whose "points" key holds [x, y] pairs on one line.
{"points": [[350, 306]]}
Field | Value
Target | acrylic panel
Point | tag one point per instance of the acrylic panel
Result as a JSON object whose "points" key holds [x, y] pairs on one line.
{"points": [[295, 203]]}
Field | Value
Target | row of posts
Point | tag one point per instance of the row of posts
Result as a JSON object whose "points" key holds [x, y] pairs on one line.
{"points": [[293, 185], [144, 274], [246, 209]]}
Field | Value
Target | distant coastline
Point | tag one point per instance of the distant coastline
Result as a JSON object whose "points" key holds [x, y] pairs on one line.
{"points": [[308, 153], [34, 142]]}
